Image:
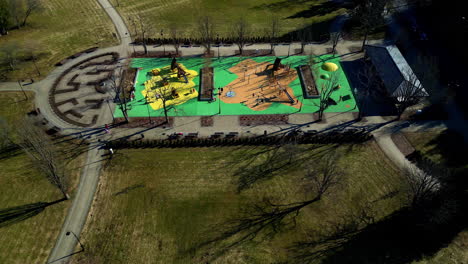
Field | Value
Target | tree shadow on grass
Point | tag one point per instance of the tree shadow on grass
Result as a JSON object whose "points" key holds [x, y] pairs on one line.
{"points": [[13, 215], [263, 165], [450, 146], [407, 235], [258, 222], [317, 10]]}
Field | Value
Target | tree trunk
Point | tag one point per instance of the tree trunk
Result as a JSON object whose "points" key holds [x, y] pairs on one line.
{"points": [[165, 110], [365, 39], [145, 48]]}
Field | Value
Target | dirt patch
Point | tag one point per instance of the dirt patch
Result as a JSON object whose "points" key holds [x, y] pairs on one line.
{"points": [[206, 121], [134, 122], [308, 83], [206, 84], [256, 120], [403, 144]]}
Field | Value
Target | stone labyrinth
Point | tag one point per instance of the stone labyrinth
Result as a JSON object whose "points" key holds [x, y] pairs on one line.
{"points": [[80, 92]]}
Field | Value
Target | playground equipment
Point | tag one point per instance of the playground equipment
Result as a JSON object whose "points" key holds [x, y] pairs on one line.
{"points": [[162, 85], [180, 72], [276, 65], [330, 67]]}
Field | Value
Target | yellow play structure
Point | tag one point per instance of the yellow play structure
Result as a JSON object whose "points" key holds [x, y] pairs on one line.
{"points": [[174, 86]]}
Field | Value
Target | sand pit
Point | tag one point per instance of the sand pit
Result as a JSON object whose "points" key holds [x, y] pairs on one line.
{"points": [[257, 89]]}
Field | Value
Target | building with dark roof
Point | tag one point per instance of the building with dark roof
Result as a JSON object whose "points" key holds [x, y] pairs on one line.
{"points": [[395, 72]]}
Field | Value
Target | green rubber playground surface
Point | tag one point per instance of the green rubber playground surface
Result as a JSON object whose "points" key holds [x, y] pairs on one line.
{"points": [[222, 77]]}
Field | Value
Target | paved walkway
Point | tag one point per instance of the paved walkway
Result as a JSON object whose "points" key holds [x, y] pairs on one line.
{"points": [[77, 214]]}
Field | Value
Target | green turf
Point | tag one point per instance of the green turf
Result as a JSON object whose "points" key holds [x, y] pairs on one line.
{"points": [[139, 108]]}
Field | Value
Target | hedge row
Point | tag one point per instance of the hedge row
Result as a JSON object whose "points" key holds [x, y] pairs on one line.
{"points": [[232, 41], [321, 138]]}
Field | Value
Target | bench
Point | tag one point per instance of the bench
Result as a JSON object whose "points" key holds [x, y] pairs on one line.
{"points": [[232, 134], [217, 135]]}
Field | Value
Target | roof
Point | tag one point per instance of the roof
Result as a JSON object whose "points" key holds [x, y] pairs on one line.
{"points": [[393, 68]]}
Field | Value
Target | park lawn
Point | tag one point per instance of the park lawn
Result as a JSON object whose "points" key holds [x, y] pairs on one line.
{"points": [[444, 148], [30, 240], [62, 28], [160, 14], [159, 205]]}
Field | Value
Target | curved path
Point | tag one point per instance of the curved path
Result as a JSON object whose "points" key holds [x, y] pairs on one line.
{"points": [[78, 212]]}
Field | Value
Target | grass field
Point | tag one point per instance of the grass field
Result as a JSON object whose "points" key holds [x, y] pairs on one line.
{"points": [[29, 240], [62, 28], [225, 77], [162, 13], [446, 149], [159, 205]]}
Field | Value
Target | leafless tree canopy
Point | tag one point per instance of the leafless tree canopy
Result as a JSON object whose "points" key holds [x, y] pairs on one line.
{"points": [[241, 30], [205, 28], [335, 38], [175, 37], [265, 219], [273, 32], [421, 185], [324, 175], [44, 154], [370, 14], [410, 93], [20, 10], [115, 83], [326, 91], [141, 30]]}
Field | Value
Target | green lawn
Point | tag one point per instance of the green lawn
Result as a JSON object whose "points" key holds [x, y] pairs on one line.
{"points": [[161, 205], [159, 14], [62, 28], [29, 240], [223, 77]]}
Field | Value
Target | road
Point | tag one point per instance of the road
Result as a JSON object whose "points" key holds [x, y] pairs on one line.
{"points": [[65, 246]]}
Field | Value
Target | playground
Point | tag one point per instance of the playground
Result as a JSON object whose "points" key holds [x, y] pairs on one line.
{"points": [[236, 86]]}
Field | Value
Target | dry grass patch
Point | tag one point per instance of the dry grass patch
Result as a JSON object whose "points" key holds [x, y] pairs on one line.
{"points": [[62, 28], [161, 205], [29, 240], [160, 14]]}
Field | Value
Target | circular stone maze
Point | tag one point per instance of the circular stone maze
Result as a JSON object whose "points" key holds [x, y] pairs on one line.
{"points": [[80, 92]]}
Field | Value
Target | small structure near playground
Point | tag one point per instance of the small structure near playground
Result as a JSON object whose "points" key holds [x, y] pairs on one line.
{"points": [[394, 71]]}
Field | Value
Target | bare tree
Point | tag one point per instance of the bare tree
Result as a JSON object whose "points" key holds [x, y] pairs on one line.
{"points": [[31, 6], [115, 83], [421, 185], [175, 37], [20, 10], [141, 30], [267, 218], [273, 32], [44, 154], [335, 38], [32, 51], [10, 55], [241, 30], [409, 92], [326, 175], [368, 80], [205, 28], [326, 90], [304, 36], [369, 13], [5, 137], [165, 93], [4, 17]]}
